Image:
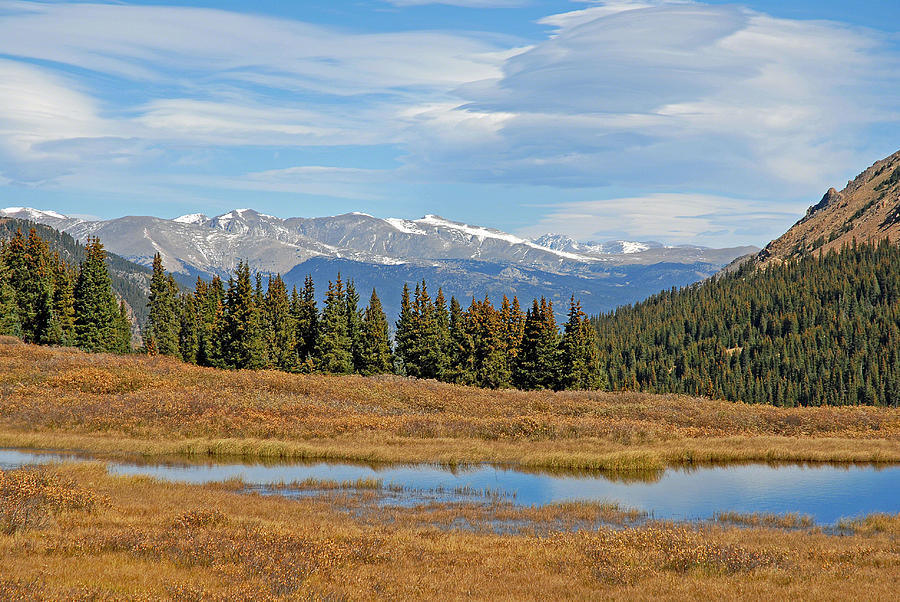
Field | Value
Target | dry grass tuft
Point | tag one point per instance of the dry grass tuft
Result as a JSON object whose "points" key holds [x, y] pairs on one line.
{"points": [[29, 499]]}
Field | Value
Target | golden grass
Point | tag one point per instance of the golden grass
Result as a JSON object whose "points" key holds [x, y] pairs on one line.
{"points": [[157, 540], [66, 399]]}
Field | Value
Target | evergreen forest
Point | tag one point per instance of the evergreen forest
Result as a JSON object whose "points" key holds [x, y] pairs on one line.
{"points": [[818, 330], [245, 323]]}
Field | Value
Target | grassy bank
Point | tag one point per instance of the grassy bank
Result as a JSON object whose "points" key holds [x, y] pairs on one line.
{"points": [[66, 399], [94, 536]]}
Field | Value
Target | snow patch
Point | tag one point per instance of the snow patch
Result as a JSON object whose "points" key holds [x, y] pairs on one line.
{"points": [[34, 213], [481, 233], [404, 225], [191, 218]]}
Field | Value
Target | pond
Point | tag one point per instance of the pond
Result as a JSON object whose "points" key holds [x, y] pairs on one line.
{"points": [[825, 492]]}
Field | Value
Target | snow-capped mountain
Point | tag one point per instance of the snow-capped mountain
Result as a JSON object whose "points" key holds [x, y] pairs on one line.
{"points": [[476, 259], [561, 242]]}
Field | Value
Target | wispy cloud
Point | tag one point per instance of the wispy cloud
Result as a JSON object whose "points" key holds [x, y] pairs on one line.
{"points": [[683, 94], [670, 217]]}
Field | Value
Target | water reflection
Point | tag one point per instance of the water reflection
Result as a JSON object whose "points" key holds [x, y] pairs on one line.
{"points": [[825, 491]]}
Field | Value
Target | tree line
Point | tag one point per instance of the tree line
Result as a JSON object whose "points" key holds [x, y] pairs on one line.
{"points": [[819, 330], [45, 300], [244, 324]]}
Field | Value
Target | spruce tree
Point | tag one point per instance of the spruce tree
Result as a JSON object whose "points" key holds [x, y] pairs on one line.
{"points": [[122, 342], [97, 315], [579, 354], [375, 347], [306, 317], [30, 274], [537, 365], [164, 319], [461, 353], [404, 335], [333, 353], [240, 329], [189, 328], [281, 328], [489, 349], [64, 302], [9, 310], [354, 326]]}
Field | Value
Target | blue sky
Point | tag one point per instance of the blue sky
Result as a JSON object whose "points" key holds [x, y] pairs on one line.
{"points": [[714, 123]]}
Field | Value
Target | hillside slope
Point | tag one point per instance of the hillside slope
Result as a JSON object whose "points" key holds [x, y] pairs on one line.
{"points": [[867, 210]]}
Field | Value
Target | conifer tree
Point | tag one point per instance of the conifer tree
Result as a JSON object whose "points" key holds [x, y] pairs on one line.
{"points": [[64, 302], [209, 299], [281, 328], [461, 354], [537, 365], [97, 314], [333, 353], [579, 354], [30, 274], [375, 346], [189, 328], [489, 350], [164, 319], [122, 327], [9, 310], [354, 325], [513, 324], [405, 334], [306, 317], [241, 332]]}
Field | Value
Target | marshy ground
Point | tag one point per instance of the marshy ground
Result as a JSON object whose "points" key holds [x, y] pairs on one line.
{"points": [[73, 531]]}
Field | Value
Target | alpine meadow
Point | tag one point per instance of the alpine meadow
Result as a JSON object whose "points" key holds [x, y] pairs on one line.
{"points": [[527, 300]]}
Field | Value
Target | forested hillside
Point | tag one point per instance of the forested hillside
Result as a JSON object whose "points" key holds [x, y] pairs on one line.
{"points": [[820, 330], [130, 281]]}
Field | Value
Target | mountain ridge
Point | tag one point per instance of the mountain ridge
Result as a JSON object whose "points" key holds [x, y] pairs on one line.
{"points": [[467, 260], [866, 210]]}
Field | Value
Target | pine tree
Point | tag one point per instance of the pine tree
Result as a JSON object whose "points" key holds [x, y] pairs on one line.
{"points": [[375, 347], [240, 329], [281, 328], [579, 354], [164, 322], [333, 353], [96, 311]]}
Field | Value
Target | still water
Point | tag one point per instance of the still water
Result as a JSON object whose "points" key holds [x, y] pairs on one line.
{"points": [[825, 492]]}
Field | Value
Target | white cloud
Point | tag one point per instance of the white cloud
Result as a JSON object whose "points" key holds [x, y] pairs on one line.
{"points": [[680, 95], [153, 42]]}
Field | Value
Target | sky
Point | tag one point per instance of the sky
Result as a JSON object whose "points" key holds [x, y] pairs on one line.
{"points": [[707, 123]]}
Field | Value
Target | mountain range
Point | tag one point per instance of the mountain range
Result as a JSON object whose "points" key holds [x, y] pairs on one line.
{"points": [[466, 260]]}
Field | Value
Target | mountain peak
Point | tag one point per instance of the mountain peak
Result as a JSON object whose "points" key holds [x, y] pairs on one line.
{"points": [[866, 210], [30, 213]]}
